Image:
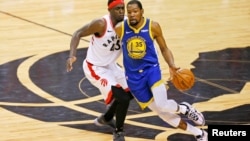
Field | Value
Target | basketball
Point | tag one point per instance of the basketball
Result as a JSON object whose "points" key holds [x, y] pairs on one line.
{"points": [[183, 79]]}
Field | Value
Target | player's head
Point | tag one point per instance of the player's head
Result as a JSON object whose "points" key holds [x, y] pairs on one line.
{"points": [[135, 12], [116, 9]]}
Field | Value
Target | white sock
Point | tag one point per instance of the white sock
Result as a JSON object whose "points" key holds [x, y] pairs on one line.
{"points": [[194, 130], [182, 109]]}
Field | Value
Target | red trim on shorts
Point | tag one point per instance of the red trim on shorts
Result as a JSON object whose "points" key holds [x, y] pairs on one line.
{"points": [[127, 90], [93, 74], [110, 96]]}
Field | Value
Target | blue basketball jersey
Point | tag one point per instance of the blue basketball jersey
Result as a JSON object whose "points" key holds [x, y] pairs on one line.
{"points": [[138, 47], [140, 60]]}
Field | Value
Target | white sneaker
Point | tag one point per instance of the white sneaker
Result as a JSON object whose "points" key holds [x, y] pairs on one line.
{"points": [[202, 137], [194, 115]]}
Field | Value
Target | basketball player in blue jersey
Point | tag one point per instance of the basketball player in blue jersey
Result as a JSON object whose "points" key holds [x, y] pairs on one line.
{"points": [[100, 66], [140, 60]]}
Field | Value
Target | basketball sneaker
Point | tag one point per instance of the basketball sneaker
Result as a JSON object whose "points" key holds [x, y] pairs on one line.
{"points": [[118, 136], [202, 137], [194, 115], [100, 121]]}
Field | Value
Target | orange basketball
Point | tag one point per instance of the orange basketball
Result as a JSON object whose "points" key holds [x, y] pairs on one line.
{"points": [[183, 79]]}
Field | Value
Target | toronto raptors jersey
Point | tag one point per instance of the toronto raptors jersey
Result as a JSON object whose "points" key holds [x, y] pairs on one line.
{"points": [[105, 49]]}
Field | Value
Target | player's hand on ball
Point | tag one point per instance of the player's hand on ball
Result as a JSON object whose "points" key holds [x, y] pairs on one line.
{"points": [[183, 79], [172, 71], [69, 63]]}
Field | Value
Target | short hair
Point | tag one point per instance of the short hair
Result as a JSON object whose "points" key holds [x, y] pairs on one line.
{"points": [[135, 2]]}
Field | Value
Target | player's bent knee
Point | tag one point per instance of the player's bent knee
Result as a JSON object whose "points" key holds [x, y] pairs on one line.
{"points": [[167, 106], [120, 95]]}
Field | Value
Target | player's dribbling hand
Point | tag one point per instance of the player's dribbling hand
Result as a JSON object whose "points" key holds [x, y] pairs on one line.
{"points": [[69, 63], [172, 71]]}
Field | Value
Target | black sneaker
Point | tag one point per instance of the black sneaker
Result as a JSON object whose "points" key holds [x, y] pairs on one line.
{"points": [[100, 121], [118, 136]]}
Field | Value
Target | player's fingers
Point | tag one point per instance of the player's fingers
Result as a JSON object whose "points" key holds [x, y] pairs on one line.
{"points": [[69, 65], [69, 69], [172, 72], [170, 77]]}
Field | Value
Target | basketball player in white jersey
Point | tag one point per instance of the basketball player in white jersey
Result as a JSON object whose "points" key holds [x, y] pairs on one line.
{"points": [[100, 66]]}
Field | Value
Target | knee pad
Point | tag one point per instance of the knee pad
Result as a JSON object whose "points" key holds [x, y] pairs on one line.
{"points": [[170, 118], [169, 106]]}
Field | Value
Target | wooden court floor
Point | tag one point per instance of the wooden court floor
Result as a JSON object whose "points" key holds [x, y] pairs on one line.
{"points": [[40, 101]]}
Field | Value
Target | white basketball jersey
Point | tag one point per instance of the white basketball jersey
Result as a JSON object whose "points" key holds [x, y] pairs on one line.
{"points": [[105, 49]]}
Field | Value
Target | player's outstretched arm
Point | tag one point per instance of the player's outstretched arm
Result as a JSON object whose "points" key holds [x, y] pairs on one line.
{"points": [[96, 26]]}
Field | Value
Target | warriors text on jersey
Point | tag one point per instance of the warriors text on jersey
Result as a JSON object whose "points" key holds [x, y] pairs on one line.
{"points": [[105, 49]]}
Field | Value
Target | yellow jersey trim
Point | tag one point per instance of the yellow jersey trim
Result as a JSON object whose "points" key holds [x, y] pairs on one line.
{"points": [[137, 30], [122, 33]]}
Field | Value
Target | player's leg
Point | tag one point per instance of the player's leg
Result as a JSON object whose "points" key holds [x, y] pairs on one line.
{"points": [[160, 95], [107, 117], [176, 121], [122, 97], [113, 94], [159, 91], [95, 76], [123, 100]]}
